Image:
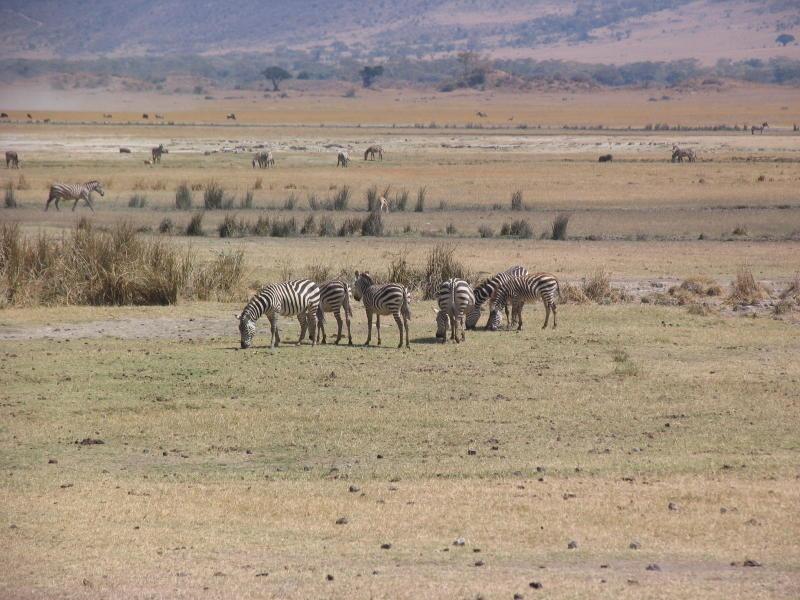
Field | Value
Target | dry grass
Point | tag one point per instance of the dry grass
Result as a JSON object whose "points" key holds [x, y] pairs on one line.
{"points": [[597, 288], [745, 290], [694, 290]]}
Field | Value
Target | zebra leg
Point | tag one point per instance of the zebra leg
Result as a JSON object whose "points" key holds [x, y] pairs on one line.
{"points": [[76, 203], [338, 318], [49, 200], [89, 201], [303, 319], [369, 328], [273, 333], [399, 322], [546, 313], [453, 326], [378, 327], [461, 325], [553, 308], [520, 321], [347, 320], [312, 327]]}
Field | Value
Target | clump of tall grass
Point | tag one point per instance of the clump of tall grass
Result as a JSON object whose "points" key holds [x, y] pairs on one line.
{"points": [[247, 200], [313, 202], [260, 227], [341, 198], [598, 288], [22, 183], [166, 226], [451, 229], [485, 231], [259, 183], [349, 227], [372, 225], [10, 196], [441, 264], [137, 201], [745, 290], [183, 197], [327, 227], [213, 195], [516, 201], [221, 278], [400, 200], [309, 226], [559, 231], [318, 272], [421, 195], [520, 229], [283, 227], [232, 227], [372, 199], [195, 226], [290, 202]]}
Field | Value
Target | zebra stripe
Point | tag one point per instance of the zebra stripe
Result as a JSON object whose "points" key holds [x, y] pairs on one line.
{"points": [[533, 287], [383, 299], [299, 297], [342, 159], [455, 298], [69, 191], [157, 152], [333, 297], [487, 290]]}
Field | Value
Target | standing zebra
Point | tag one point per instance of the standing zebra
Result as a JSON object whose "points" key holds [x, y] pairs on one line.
{"points": [[12, 160], [455, 299], [299, 297], [67, 191], [157, 152], [533, 287], [486, 291], [342, 159], [382, 299], [333, 297], [759, 128], [372, 151]]}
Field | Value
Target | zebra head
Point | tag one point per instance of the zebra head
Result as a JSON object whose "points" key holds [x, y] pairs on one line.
{"points": [[96, 186], [247, 329], [472, 317], [362, 281]]}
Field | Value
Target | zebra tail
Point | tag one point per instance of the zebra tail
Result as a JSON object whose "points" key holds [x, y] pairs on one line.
{"points": [[405, 309], [346, 303]]}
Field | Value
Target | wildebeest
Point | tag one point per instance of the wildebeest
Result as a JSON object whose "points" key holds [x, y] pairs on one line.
{"points": [[231, 116], [342, 159], [372, 151], [124, 150], [157, 152], [145, 116], [606, 158], [3, 115], [12, 160]]}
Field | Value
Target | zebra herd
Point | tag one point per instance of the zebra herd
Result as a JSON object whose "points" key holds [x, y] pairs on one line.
{"points": [[459, 305]]}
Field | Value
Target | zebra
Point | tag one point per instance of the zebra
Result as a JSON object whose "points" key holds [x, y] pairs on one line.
{"points": [[157, 152], [333, 297], [455, 299], [606, 158], [382, 299], [487, 290], [372, 151], [12, 159], [263, 160], [679, 154], [342, 159], [759, 128], [531, 287], [231, 116], [66, 191], [299, 297]]}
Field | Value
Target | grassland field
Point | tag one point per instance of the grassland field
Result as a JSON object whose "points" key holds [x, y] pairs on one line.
{"points": [[645, 434]]}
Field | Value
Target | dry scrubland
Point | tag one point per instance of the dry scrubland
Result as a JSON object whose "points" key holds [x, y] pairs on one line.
{"points": [[653, 416]]}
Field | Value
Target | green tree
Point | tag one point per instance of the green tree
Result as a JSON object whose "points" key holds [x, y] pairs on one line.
{"points": [[276, 75], [370, 74], [784, 38]]}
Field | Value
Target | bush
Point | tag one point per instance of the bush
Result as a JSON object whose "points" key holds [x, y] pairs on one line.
{"points": [[420, 206], [318, 272], [485, 231], [213, 195], [342, 198], [195, 226], [597, 288], [247, 200], [310, 226], [560, 227], [166, 226], [745, 290], [401, 200], [373, 225], [221, 278], [137, 201], [440, 265], [231, 227], [183, 197], [313, 202], [258, 184], [349, 227], [520, 228], [326, 227], [740, 230], [261, 226], [11, 198], [283, 227], [290, 202], [516, 201], [372, 199], [451, 229]]}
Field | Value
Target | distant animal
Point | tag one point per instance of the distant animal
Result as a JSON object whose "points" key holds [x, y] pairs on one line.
{"points": [[157, 152], [12, 159], [334, 297], [384, 206], [795, 127], [534, 287], [231, 116], [298, 298], [145, 116], [108, 116], [158, 116], [29, 116], [481, 114], [263, 160], [678, 154], [124, 150], [606, 158], [343, 159], [3, 115], [383, 299], [759, 128], [455, 298], [148, 161], [67, 191], [372, 151], [47, 120], [486, 291]]}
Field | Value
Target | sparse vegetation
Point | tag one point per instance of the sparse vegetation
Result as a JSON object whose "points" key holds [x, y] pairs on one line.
{"points": [[137, 201], [372, 225], [519, 228], [183, 197], [485, 231], [745, 290], [349, 227], [341, 198], [516, 201], [309, 226], [400, 200], [166, 226], [247, 200], [283, 227], [420, 206], [560, 227], [10, 196], [213, 195], [195, 226], [326, 226]]}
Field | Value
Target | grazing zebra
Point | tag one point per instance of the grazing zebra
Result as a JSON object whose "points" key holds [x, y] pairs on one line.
{"points": [[486, 291], [66, 191], [679, 154], [372, 151], [263, 160], [342, 159], [532, 287], [382, 299], [159, 116], [12, 159], [455, 299], [231, 116], [157, 152], [606, 158], [334, 296], [759, 128], [299, 297]]}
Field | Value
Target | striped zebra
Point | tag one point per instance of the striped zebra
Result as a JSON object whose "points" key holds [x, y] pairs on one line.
{"points": [[342, 159], [759, 128], [68, 191], [157, 152], [263, 160], [372, 151], [486, 291], [455, 299], [382, 299], [530, 287], [678, 154], [299, 297], [334, 296], [12, 160]]}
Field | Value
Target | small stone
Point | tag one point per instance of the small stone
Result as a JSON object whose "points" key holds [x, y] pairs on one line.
{"points": [[385, 546], [603, 566], [472, 452], [262, 574], [535, 585], [479, 563], [342, 521], [460, 541], [751, 563], [672, 506], [52, 461], [329, 577], [354, 488], [634, 545], [518, 596], [219, 574], [572, 545], [652, 567]]}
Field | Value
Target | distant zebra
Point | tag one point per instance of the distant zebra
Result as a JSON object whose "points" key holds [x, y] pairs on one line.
{"points": [[372, 151], [606, 158], [486, 291], [157, 152], [678, 154], [533, 287], [231, 116], [299, 297], [343, 159], [159, 116], [334, 296], [12, 160], [67, 191], [455, 299], [383, 299], [263, 160], [3, 115], [759, 128]]}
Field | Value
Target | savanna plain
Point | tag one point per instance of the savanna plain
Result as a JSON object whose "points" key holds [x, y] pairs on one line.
{"points": [[647, 447]]}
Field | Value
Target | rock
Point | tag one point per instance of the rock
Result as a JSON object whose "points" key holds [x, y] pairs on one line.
{"points": [[262, 574], [90, 442], [572, 545], [472, 452], [460, 541], [479, 563], [342, 521], [672, 506], [329, 577], [652, 567], [385, 546], [52, 461], [535, 585], [749, 562], [634, 545], [353, 489]]}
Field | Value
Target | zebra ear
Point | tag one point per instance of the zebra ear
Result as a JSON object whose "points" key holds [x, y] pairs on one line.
{"points": [[238, 317]]}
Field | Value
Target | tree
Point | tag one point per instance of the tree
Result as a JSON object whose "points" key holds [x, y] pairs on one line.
{"points": [[370, 74], [276, 75], [784, 38]]}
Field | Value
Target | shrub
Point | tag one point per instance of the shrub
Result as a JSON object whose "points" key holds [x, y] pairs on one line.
{"points": [[401, 272], [745, 290], [694, 287], [560, 227], [231, 227], [572, 293], [372, 199], [485, 231], [166, 226], [258, 184], [220, 279], [401, 200], [326, 227], [137, 201], [318, 272], [372, 225], [283, 227], [158, 185], [451, 229], [740, 230], [183, 197], [195, 226], [342, 198], [349, 227], [11, 198], [442, 205], [440, 265], [247, 200], [407, 228], [313, 202], [290, 202], [213, 195], [516, 201], [310, 226], [520, 228], [597, 288], [420, 206], [261, 226]]}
